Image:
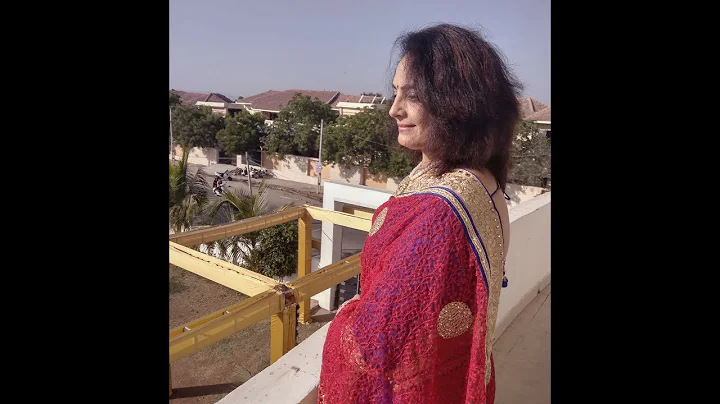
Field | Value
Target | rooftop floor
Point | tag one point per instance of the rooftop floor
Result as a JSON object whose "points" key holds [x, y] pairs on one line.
{"points": [[522, 355]]}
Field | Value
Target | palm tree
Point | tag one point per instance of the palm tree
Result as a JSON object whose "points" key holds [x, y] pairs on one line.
{"points": [[188, 195], [245, 249], [239, 205]]}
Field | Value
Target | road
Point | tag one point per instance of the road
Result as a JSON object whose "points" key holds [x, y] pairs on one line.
{"points": [[353, 240]]}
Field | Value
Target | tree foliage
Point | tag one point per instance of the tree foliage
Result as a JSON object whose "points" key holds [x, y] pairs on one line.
{"points": [[277, 251], [530, 156], [271, 251], [188, 195], [399, 164], [297, 127], [174, 98], [195, 126], [368, 138], [242, 132]]}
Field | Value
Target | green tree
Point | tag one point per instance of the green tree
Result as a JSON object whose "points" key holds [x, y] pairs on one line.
{"points": [[400, 163], [188, 195], [195, 126], [174, 98], [279, 139], [242, 132], [368, 138], [272, 251], [297, 127], [277, 251], [530, 155]]}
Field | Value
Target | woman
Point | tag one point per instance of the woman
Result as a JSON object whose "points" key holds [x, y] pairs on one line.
{"points": [[433, 262]]}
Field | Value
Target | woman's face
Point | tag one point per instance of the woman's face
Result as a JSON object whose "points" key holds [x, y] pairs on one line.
{"points": [[411, 116]]}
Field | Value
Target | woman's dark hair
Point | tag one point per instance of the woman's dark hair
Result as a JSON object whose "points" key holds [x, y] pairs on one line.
{"points": [[470, 94]]}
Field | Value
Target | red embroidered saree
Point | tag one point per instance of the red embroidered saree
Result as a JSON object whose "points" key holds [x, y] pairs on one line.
{"points": [[422, 329]]}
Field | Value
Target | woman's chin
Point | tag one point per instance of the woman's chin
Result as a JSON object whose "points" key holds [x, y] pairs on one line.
{"points": [[408, 142]]}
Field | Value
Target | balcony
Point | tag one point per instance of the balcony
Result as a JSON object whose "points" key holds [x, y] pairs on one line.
{"points": [[522, 345]]}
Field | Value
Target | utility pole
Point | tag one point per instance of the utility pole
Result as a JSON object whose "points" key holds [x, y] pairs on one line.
{"points": [[247, 164], [318, 168], [171, 139]]}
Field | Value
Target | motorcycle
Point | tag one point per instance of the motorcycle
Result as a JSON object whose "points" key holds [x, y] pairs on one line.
{"points": [[219, 188], [225, 174]]}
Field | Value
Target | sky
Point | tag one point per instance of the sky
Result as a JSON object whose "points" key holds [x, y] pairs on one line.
{"points": [[242, 48]]}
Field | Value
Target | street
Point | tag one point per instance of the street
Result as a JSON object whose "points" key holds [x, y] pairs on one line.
{"points": [[282, 193]]}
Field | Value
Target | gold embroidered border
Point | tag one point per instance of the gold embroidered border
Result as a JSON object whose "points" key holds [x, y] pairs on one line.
{"points": [[379, 220], [485, 219], [463, 216]]}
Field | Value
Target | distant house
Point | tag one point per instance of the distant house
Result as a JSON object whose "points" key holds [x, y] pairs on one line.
{"points": [[219, 103], [536, 111], [271, 102], [352, 104]]}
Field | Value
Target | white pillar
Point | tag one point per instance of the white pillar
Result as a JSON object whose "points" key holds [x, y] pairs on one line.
{"points": [[330, 249], [335, 196]]}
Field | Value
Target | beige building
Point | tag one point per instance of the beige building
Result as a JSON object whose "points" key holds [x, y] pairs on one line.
{"points": [[536, 111], [271, 102], [219, 103]]}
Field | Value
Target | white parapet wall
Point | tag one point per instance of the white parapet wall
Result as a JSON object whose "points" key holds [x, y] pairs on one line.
{"points": [[527, 266], [292, 379], [522, 193]]}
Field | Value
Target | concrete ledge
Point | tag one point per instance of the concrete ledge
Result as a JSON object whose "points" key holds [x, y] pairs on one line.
{"points": [[504, 322], [527, 207], [528, 262], [292, 379]]}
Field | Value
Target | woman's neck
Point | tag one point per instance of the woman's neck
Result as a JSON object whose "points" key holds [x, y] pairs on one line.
{"points": [[426, 160]]}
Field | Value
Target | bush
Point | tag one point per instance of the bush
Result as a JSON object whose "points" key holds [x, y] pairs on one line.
{"points": [[277, 251]]}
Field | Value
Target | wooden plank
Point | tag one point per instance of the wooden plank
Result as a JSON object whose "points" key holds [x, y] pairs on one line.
{"points": [[232, 276], [246, 313], [326, 277], [339, 218], [316, 243], [359, 211], [282, 332], [305, 262], [206, 319], [213, 233]]}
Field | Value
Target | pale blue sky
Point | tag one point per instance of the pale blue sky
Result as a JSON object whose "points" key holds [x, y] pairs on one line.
{"points": [[247, 47]]}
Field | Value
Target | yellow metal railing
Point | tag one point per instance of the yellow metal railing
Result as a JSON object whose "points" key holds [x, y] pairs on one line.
{"points": [[284, 303]]}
